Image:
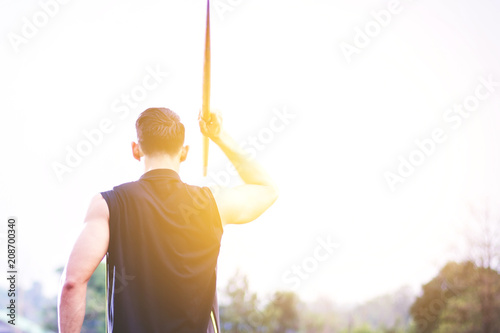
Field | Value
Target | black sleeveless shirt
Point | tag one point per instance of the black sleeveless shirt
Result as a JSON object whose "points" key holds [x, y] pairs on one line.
{"points": [[164, 240]]}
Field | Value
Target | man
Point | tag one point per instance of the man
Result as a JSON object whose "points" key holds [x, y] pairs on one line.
{"points": [[161, 237]]}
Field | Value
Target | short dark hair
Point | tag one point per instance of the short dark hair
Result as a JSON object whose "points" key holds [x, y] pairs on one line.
{"points": [[159, 131]]}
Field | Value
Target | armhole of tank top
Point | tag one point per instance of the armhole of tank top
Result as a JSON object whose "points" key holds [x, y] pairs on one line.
{"points": [[214, 209], [106, 283]]}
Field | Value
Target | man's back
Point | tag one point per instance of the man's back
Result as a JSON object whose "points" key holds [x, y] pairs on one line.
{"points": [[164, 242], [161, 236]]}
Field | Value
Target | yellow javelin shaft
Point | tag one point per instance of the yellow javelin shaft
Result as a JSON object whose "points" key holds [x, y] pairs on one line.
{"points": [[205, 110]]}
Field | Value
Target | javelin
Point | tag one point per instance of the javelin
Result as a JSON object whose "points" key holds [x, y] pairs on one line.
{"points": [[205, 109]]}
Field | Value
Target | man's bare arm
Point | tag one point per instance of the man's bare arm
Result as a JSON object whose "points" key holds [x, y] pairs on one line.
{"points": [[244, 203], [87, 253]]}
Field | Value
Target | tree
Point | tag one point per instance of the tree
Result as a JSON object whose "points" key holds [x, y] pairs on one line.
{"points": [[477, 309], [451, 281], [95, 310], [389, 312], [458, 301], [365, 328], [483, 236], [282, 314], [484, 244], [321, 316], [312, 322], [461, 315], [470, 300], [242, 313]]}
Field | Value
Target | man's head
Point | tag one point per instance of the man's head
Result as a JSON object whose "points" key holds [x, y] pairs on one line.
{"points": [[159, 133]]}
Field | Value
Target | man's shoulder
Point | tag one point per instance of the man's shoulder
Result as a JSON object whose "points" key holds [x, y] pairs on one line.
{"points": [[200, 189], [121, 188], [126, 186]]}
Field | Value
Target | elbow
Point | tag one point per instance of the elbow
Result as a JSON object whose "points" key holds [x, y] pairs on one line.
{"points": [[69, 285], [70, 289]]}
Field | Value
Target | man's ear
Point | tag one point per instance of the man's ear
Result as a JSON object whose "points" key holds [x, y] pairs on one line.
{"points": [[136, 151], [184, 153]]}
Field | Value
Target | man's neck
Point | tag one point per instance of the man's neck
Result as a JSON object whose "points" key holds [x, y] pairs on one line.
{"points": [[161, 162]]}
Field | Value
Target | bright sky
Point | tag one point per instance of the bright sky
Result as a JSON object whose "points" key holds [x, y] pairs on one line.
{"points": [[327, 109]]}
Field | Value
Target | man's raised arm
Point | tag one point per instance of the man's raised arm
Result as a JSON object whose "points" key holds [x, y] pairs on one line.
{"points": [[244, 203]]}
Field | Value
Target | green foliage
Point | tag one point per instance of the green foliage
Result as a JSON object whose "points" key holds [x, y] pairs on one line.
{"points": [[463, 298], [95, 310], [450, 282], [365, 328], [285, 313], [282, 313], [244, 314], [461, 315], [320, 316], [389, 312], [49, 313], [312, 322]]}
